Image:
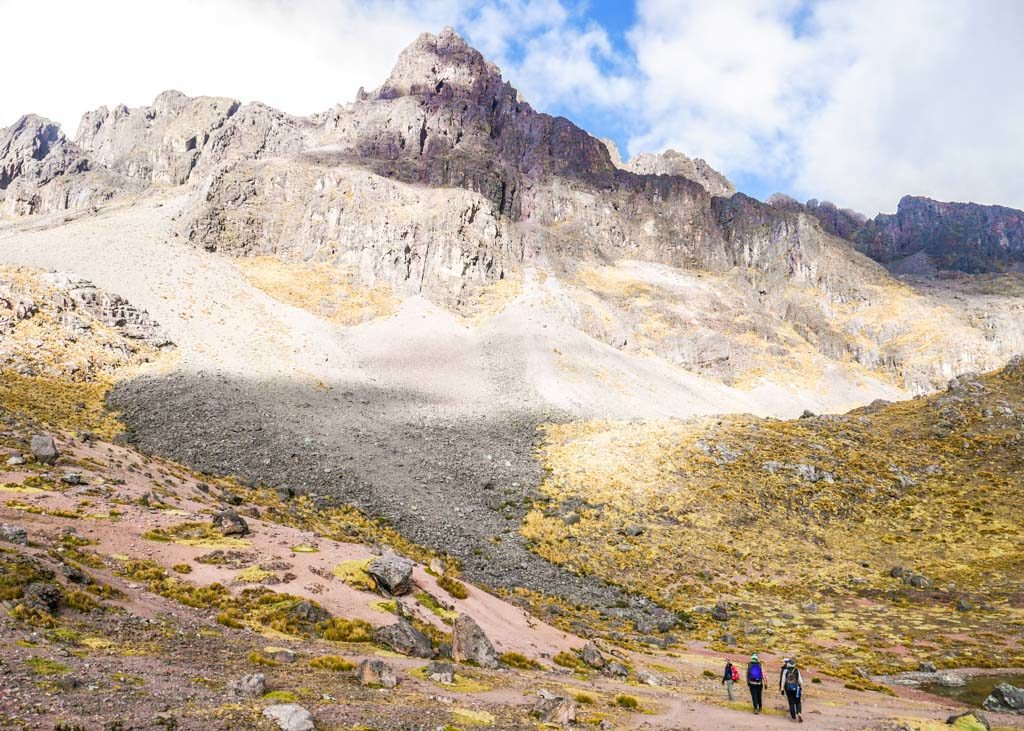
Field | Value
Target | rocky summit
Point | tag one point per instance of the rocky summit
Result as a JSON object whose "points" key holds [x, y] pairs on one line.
{"points": [[432, 411]]}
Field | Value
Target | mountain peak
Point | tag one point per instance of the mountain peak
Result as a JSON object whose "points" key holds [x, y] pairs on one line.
{"points": [[433, 64]]}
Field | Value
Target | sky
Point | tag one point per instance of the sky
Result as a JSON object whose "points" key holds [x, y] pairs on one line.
{"points": [[858, 102]]}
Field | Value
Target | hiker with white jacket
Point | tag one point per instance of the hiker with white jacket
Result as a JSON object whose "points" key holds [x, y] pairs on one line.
{"points": [[791, 684]]}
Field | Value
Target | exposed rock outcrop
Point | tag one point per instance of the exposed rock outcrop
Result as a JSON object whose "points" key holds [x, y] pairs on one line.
{"points": [[925, 235], [672, 162]]}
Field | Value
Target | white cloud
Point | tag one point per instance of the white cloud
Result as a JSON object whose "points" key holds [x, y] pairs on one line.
{"points": [[870, 100], [70, 56], [857, 101]]}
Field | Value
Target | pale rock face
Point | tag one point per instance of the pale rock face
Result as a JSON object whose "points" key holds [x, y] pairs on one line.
{"points": [[41, 171], [672, 162]]}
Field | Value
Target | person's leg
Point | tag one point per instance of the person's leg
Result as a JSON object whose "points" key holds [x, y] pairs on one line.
{"points": [[791, 697], [800, 705], [755, 692], [728, 688]]}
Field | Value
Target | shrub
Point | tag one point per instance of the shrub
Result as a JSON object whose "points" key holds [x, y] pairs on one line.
{"points": [[453, 586], [585, 699], [627, 701], [258, 658], [568, 660], [337, 629], [182, 568], [280, 696], [334, 663], [519, 662]]}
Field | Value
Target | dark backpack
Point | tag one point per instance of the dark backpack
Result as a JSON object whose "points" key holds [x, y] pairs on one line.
{"points": [[754, 673], [792, 678]]}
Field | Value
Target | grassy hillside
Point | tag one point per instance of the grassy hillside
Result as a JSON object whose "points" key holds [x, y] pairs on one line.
{"points": [[796, 526]]}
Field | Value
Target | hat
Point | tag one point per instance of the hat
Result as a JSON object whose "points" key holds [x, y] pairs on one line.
{"points": [[754, 657]]}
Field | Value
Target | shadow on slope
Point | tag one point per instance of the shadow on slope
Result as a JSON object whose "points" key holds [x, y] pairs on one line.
{"points": [[458, 485]]}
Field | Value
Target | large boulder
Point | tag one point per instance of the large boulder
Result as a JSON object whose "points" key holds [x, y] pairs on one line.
{"points": [[44, 449], [376, 673], [404, 638], [290, 717], [248, 686], [42, 595], [470, 644], [1005, 698], [392, 573], [230, 523], [592, 656], [13, 534]]}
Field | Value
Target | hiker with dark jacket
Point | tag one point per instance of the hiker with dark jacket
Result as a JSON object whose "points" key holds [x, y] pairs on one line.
{"points": [[730, 676], [755, 681], [791, 684]]}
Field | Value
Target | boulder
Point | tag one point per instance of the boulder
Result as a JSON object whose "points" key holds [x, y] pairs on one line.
{"points": [[281, 654], [616, 669], [926, 667], [392, 573], [441, 672], [230, 523], [376, 673], [290, 717], [651, 679], [1005, 698], [470, 644], [402, 637], [248, 686], [555, 709], [592, 656], [44, 449], [42, 595], [13, 534], [969, 720], [720, 612]]}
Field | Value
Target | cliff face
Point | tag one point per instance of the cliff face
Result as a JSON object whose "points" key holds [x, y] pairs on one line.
{"points": [[444, 182], [926, 235]]}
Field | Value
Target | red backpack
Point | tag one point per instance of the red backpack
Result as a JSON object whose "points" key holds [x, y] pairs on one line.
{"points": [[735, 674]]}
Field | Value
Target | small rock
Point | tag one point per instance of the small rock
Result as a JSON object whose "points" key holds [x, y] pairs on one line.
{"points": [[633, 530], [927, 667], [555, 710], [392, 573], [720, 612], [290, 717], [72, 478], [649, 679], [15, 460], [281, 654], [441, 672], [962, 605], [616, 669], [230, 523], [402, 637], [248, 686], [376, 673], [729, 639], [977, 716], [13, 534], [1005, 698], [44, 449], [592, 656], [470, 644]]}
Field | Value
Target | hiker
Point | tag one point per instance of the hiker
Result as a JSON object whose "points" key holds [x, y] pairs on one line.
{"points": [[791, 684], [730, 676], [755, 681]]}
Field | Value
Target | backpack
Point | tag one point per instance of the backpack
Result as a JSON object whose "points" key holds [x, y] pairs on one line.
{"points": [[792, 678], [754, 674], [735, 674]]}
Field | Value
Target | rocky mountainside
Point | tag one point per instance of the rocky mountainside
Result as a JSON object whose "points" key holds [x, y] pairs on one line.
{"points": [[672, 162], [925, 236]]}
